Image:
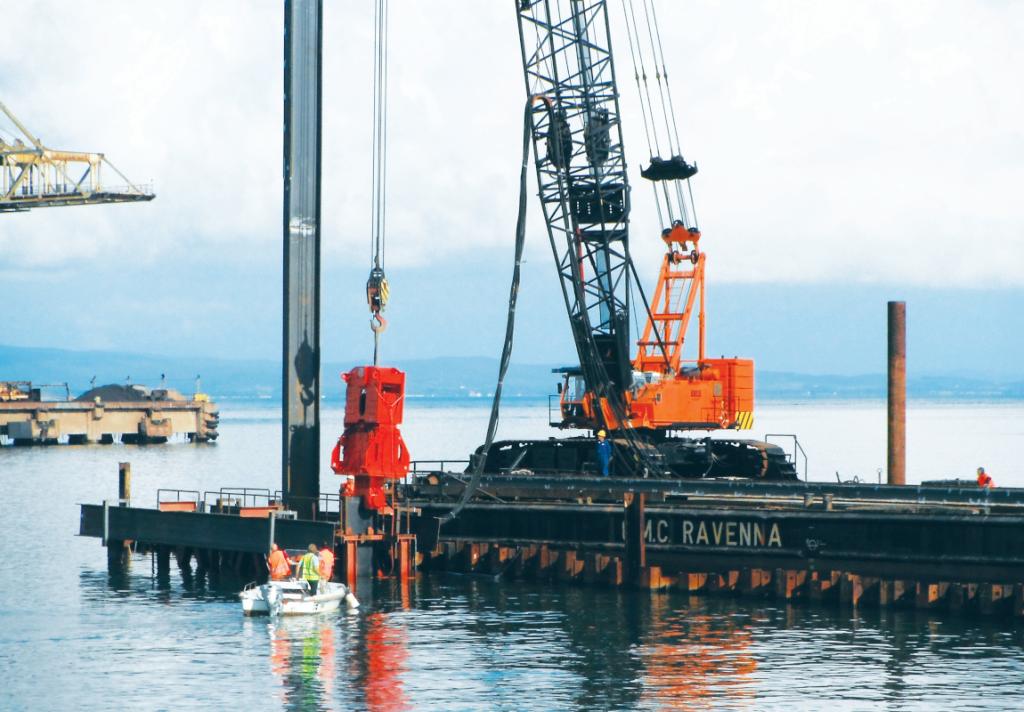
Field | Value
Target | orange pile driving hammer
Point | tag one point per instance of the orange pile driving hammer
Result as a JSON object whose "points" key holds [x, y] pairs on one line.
{"points": [[371, 448]]}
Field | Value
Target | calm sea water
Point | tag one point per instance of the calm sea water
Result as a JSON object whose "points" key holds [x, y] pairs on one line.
{"points": [[74, 637]]}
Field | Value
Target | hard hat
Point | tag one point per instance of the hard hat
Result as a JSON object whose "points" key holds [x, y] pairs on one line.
{"points": [[980, 470], [601, 433]]}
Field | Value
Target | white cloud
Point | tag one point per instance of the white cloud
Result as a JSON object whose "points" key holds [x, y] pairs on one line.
{"points": [[867, 141]]}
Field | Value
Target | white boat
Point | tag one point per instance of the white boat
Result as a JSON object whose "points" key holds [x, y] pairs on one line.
{"points": [[291, 598]]}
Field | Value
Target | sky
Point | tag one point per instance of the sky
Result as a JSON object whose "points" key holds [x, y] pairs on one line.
{"points": [[849, 153]]}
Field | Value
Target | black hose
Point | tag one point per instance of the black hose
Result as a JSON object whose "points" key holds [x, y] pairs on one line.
{"points": [[510, 327]]}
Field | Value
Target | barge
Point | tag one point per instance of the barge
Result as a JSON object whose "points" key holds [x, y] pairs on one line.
{"points": [[129, 414], [954, 548]]}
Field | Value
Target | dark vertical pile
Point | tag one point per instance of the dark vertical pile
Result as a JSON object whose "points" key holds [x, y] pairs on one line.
{"points": [[300, 449]]}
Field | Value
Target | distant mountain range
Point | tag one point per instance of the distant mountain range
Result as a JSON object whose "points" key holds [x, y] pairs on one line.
{"points": [[452, 377]]}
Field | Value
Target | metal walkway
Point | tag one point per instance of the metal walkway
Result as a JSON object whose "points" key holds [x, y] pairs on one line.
{"points": [[34, 176]]}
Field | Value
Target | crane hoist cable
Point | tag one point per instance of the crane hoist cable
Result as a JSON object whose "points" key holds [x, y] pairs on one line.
{"points": [[658, 107], [377, 289], [667, 105]]}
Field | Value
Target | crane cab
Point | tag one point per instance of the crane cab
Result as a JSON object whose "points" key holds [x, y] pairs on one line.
{"points": [[710, 395]]}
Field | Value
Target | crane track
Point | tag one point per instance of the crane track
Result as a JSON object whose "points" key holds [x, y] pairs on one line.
{"points": [[691, 458]]}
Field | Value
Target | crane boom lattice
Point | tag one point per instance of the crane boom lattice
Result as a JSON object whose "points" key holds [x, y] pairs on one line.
{"points": [[581, 174], [34, 176]]}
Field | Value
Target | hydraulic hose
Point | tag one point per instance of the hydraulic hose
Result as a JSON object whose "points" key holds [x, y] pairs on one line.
{"points": [[510, 326]]}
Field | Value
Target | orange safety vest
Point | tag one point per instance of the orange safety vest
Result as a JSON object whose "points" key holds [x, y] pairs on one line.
{"points": [[984, 480], [279, 567], [326, 564]]}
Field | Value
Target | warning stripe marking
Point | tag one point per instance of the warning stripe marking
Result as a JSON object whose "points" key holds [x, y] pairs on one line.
{"points": [[744, 419]]}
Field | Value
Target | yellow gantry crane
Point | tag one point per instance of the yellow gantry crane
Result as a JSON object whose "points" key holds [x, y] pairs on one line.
{"points": [[34, 176]]}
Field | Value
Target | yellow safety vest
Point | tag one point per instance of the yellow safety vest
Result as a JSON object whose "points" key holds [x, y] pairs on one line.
{"points": [[309, 567]]}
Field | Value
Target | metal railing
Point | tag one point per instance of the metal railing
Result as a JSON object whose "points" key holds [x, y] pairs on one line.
{"points": [[554, 410], [193, 496], [326, 503], [228, 500], [232, 498], [422, 467], [798, 450], [1009, 498], [329, 503]]}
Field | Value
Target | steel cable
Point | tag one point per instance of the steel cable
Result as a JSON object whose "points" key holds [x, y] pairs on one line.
{"points": [[664, 73], [645, 94], [379, 171], [643, 107], [665, 94], [661, 88]]}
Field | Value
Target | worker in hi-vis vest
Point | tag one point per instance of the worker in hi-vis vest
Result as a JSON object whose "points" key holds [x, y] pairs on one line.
{"points": [[309, 569], [326, 562], [984, 479], [278, 564]]}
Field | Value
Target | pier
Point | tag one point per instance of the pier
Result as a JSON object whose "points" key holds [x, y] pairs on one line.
{"points": [[28, 422]]}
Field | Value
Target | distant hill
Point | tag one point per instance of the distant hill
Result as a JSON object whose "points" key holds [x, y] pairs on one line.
{"points": [[774, 385], [440, 377], [435, 377]]}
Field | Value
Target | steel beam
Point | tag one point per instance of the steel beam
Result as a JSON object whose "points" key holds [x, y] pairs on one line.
{"points": [[224, 532], [300, 442]]}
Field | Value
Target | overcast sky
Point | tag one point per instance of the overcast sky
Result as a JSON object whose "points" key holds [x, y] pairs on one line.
{"points": [[840, 144]]}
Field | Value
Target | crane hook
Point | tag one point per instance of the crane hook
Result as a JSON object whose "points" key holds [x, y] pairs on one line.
{"points": [[377, 290], [377, 293]]}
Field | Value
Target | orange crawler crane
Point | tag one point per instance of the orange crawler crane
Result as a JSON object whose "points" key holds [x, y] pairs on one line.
{"points": [[645, 402], [668, 392]]}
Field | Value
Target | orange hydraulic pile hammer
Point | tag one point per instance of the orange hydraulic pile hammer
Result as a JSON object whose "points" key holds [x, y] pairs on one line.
{"points": [[371, 449]]}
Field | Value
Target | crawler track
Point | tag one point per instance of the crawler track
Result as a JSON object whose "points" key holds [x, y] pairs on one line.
{"points": [[680, 457]]}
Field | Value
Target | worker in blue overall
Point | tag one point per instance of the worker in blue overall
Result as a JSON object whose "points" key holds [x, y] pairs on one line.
{"points": [[604, 452]]}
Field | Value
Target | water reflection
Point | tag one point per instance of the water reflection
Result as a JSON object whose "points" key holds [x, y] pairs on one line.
{"points": [[453, 642], [302, 658], [378, 673], [304, 654], [140, 577], [632, 650], [693, 659]]}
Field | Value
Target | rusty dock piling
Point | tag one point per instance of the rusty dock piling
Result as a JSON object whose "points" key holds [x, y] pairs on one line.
{"points": [[897, 394]]}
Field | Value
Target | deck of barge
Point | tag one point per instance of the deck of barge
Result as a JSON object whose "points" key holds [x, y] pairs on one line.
{"points": [[960, 548]]}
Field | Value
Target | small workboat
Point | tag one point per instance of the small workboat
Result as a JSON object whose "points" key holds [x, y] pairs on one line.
{"points": [[292, 598]]}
